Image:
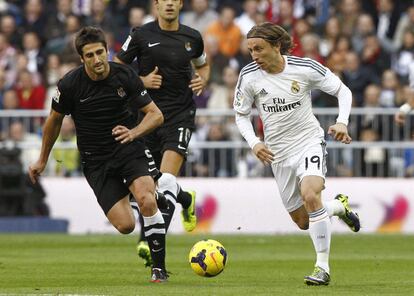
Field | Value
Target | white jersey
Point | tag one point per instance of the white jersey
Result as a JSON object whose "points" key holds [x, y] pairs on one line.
{"points": [[284, 103]]}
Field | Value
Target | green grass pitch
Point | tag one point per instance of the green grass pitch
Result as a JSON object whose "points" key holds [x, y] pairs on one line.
{"points": [[257, 265]]}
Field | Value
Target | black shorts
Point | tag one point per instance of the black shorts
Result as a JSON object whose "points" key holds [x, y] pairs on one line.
{"points": [[171, 135], [111, 178]]}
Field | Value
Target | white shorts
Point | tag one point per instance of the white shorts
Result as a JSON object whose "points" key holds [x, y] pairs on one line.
{"points": [[290, 172]]}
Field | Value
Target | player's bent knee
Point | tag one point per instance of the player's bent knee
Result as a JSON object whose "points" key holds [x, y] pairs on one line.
{"points": [[125, 228], [310, 197], [147, 204]]}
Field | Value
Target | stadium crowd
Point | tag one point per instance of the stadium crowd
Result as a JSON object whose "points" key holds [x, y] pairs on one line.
{"points": [[368, 44]]}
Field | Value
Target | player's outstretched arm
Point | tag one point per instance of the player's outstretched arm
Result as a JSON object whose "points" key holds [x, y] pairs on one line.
{"points": [[153, 118], [51, 131]]}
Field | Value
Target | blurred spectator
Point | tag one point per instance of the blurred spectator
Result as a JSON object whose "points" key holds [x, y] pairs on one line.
{"points": [[18, 134], [409, 161], [405, 55], [216, 59], [357, 78], [388, 16], [152, 12], [310, 47], [222, 95], [331, 34], [34, 18], [228, 34], [56, 22], [248, 18], [348, 13], [135, 19], [337, 57], [372, 96], [120, 10], [381, 125], [217, 162], [51, 78], [33, 51], [9, 29], [406, 23], [67, 160], [7, 60], [22, 64], [373, 56], [64, 45], [3, 87], [374, 160], [300, 29], [30, 96], [391, 93], [286, 18], [101, 17], [200, 16], [10, 100], [365, 26]]}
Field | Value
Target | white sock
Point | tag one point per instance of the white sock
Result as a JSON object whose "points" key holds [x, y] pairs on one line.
{"points": [[154, 224], [320, 232], [167, 184], [334, 207]]}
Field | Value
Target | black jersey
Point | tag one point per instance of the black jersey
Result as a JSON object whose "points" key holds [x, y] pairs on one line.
{"points": [[171, 52], [98, 106]]}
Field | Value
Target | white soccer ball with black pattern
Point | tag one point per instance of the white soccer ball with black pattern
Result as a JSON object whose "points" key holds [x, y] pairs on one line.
{"points": [[208, 258]]}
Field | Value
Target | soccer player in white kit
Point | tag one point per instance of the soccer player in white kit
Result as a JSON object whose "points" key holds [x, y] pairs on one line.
{"points": [[280, 87]]}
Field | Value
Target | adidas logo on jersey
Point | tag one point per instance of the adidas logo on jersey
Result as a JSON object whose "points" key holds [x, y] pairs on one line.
{"points": [[263, 92]]}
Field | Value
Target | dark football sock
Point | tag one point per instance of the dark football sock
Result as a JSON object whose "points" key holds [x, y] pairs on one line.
{"points": [[141, 225], [167, 213], [154, 228], [184, 198]]}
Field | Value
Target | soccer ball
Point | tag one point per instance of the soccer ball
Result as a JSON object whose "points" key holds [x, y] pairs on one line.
{"points": [[208, 258]]}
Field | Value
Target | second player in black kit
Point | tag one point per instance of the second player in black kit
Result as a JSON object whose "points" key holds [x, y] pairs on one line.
{"points": [[98, 95], [172, 64]]}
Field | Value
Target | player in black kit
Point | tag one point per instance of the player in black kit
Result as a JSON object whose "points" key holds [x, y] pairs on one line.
{"points": [[98, 96], [172, 64]]}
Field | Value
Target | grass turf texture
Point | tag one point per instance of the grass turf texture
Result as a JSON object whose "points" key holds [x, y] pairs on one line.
{"points": [[258, 265]]}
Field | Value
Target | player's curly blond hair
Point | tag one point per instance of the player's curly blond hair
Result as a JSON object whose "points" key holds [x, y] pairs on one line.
{"points": [[273, 34]]}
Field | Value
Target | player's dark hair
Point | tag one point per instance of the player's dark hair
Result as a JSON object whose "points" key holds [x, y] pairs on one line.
{"points": [[273, 34], [89, 35]]}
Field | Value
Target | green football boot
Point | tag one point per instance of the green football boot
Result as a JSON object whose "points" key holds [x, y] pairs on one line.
{"points": [[319, 277], [349, 217]]}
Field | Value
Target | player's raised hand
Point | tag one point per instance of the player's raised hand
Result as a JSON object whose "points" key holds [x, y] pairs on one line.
{"points": [[197, 84], [263, 153], [35, 170], [339, 132], [122, 134], [152, 80], [399, 117]]}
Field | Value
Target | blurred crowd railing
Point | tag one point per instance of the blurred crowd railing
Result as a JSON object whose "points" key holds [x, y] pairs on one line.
{"points": [[380, 148]]}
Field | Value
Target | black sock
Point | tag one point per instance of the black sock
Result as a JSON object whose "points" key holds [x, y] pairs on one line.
{"points": [[141, 224], [167, 214], [184, 198], [154, 229]]}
